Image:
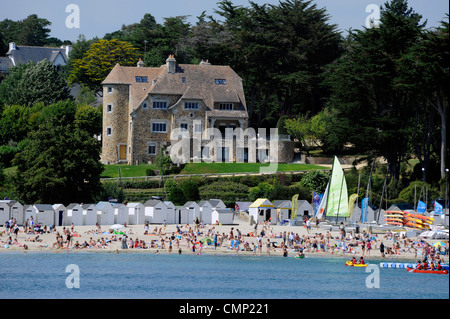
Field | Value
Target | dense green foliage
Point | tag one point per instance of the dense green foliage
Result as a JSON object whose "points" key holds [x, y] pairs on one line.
{"points": [[60, 161], [378, 92]]}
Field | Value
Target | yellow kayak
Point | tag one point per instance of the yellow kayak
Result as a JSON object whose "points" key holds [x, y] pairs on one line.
{"points": [[349, 263]]}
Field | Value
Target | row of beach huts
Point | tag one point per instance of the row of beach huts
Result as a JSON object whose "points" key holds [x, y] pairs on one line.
{"points": [[153, 211], [158, 211]]}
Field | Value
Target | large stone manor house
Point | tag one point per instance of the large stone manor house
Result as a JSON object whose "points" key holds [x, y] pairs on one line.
{"points": [[142, 107]]}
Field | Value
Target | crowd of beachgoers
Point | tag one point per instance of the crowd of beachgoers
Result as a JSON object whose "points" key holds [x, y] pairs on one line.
{"points": [[240, 238]]}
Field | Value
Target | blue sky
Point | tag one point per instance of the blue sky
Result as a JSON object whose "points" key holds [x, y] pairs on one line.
{"points": [[98, 17]]}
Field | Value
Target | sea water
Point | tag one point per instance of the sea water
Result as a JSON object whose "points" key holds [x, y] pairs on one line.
{"points": [[186, 276]]}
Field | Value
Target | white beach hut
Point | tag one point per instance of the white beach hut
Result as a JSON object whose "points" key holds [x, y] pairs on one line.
{"points": [[217, 203], [263, 210], [194, 211], [304, 209], [181, 215], [121, 215], [105, 213], [11, 209], [75, 215], [89, 214], [30, 211], [171, 215], [283, 208], [45, 214], [136, 213], [205, 211], [222, 216], [4, 212], [155, 211], [60, 214]]}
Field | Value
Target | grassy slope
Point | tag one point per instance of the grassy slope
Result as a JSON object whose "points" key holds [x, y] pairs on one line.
{"points": [[211, 168], [204, 168]]}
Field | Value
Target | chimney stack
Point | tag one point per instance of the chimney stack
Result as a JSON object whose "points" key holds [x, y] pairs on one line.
{"points": [[12, 46], [171, 64], [140, 64]]}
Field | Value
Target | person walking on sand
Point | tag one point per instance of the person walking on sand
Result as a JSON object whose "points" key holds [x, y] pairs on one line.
{"points": [[308, 225], [382, 249], [124, 242]]}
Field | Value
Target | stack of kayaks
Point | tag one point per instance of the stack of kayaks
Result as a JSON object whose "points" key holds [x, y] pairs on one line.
{"points": [[418, 221], [393, 217]]}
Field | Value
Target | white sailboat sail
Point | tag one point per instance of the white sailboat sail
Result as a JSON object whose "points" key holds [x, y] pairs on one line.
{"points": [[337, 203], [323, 203]]}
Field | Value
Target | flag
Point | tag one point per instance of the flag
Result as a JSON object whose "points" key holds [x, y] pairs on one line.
{"points": [[421, 207], [437, 208], [294, 206], [351, 204], [364, 209], [316, 201]]}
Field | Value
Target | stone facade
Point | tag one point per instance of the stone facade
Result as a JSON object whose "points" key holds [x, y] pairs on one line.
{"points": [[146, 110]]}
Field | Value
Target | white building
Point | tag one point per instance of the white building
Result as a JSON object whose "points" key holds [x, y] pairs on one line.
{"points": [[45, 214], [89, 214], [105, 213], [60, 214], [194, 211], [75, 215], [136, 213], [205, 211], [222, 216], [262, 210], [171, 214], [182, 215], [155, 211], [11, 209], [121, 214]]}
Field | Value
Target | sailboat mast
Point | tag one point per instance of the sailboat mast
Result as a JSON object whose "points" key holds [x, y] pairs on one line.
{"points": [[340, 195], [328, 196]]}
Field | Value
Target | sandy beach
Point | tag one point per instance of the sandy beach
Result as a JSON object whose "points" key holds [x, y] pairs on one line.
{"points": [[160, 238]]}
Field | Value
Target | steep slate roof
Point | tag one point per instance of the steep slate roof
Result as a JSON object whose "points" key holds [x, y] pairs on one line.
{"points": [[5, 64], [24, 54], [190, 82]]}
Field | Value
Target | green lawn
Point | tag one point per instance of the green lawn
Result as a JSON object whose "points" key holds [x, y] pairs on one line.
{"points": [[112, 171], [211, 168]]}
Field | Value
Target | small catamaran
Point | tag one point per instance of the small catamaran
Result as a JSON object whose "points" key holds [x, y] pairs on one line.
{"points": [[335, 199]]}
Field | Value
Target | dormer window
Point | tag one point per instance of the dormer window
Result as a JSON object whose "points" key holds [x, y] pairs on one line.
{"points": [[220, 81], [226, 106], [142, 79], [162, 105], [191, 105]]}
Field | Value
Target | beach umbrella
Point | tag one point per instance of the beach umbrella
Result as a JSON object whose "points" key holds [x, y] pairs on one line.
{"points": [[117, 226], [438, 243]]}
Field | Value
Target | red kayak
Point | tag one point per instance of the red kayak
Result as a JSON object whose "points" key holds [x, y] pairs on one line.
{"points": [[428, 271]]}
